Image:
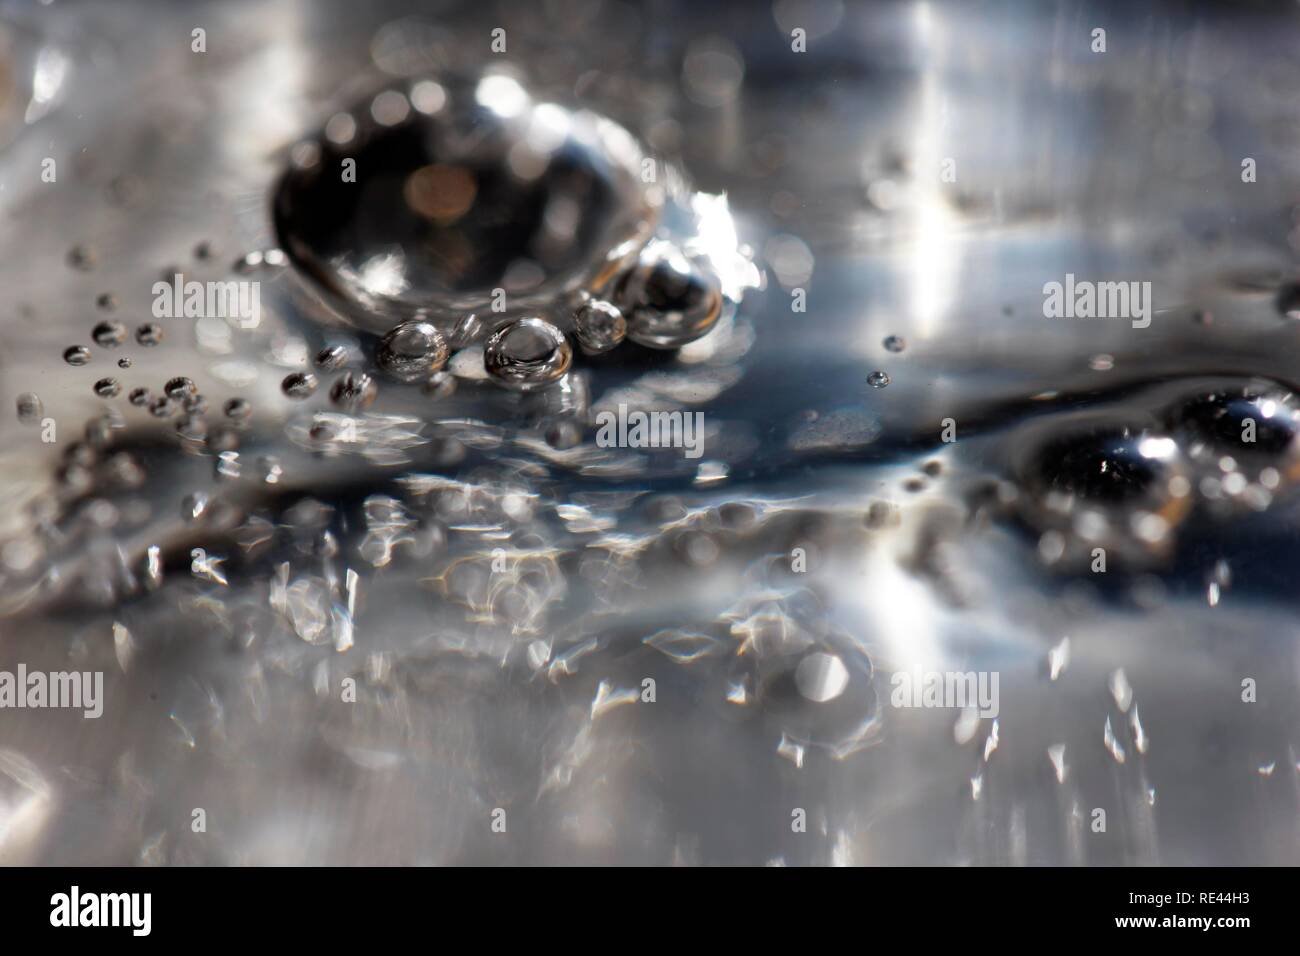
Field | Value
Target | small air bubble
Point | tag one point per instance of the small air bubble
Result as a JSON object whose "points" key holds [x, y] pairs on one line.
{"points": [[878, 379], [299, 385], [669, 299], [332, 358], [412, 351], [109, 334], [599, 325], [179, 387], [30, 408], [354, 391], [149, 334], [526, 354], [82, 257]]}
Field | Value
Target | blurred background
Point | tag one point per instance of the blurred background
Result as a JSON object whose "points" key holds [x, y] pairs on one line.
{"points": [[498, 589]]}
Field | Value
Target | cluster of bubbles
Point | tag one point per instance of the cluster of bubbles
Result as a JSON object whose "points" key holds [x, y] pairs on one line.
{"points": [[178, 398], [551, 208], [664, 301], [110, 334], [1125, 482]]}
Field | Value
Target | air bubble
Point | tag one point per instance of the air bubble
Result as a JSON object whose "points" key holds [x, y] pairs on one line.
{"points": [[412, 351], [179, 387], [76, 355], [455, 202], [149, 334], [354, 391], [895, 343], [668, 299], [332, 358], [109, 334], [818, 694], [162, 407], [526, 354], [83, 258], [1093, 480], [30, 408], [299, 385], [599, 325], [1109, 464], [878, 379], [1252, 420], [107, 388]]}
